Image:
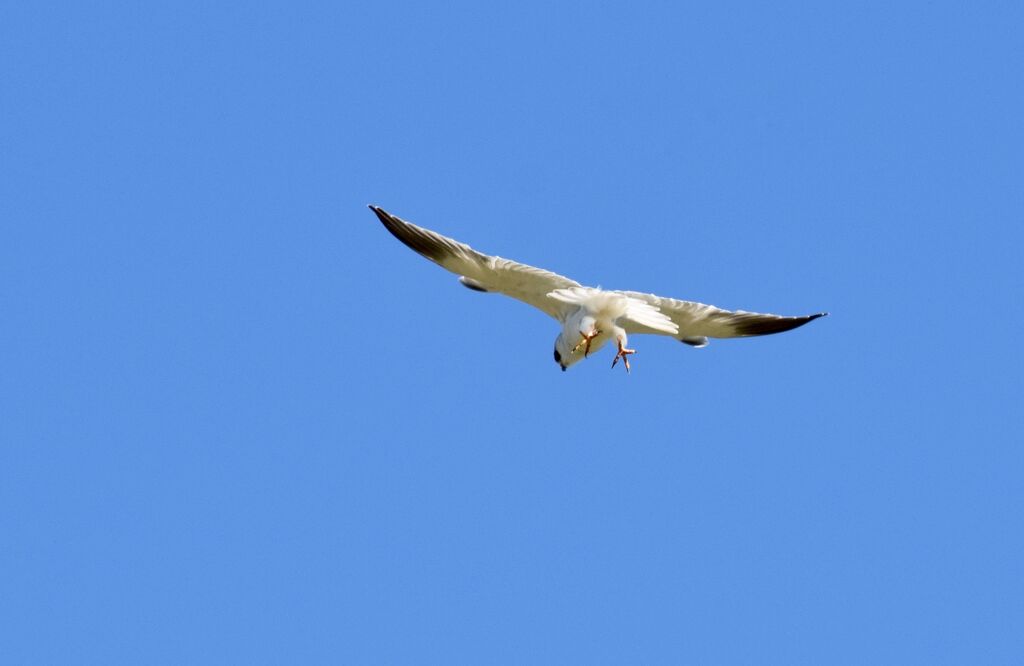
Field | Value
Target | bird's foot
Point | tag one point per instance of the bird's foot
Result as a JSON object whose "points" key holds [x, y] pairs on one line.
{"points": [[624, 355], [585, 342]]}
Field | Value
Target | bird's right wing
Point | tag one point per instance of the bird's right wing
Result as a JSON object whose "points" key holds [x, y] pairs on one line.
{"points": [[479, 271], [697, 322]]}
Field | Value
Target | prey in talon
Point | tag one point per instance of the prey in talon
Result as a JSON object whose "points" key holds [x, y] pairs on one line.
{"points": [[589, 317]]}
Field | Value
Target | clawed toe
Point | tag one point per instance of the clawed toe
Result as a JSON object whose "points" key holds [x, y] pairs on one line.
{"points": [[585, 343], [624, 355]]}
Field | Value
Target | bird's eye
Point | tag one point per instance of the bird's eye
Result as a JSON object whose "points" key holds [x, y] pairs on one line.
{"points": [[558, 357]]}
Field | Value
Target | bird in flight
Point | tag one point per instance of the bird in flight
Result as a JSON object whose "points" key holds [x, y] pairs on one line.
{"points": [[590, 317]]}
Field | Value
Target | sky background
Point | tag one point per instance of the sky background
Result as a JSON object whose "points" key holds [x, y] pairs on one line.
{"points": [[241, 423]]}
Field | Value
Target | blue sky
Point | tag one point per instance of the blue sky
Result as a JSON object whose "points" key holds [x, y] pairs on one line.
{"points": [[242, 424]]}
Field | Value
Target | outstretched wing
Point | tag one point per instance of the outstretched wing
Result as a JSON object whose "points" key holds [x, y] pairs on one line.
{"points": [[697, 322], [479, 271]]}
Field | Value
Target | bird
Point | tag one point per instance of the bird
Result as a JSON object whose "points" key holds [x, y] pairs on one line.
{"points": [[590, 317]]}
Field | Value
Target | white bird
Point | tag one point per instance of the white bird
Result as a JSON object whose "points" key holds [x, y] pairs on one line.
{"points": [[589, 316]]}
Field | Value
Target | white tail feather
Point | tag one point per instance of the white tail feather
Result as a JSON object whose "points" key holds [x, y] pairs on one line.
{"points": [[570, 295], [615, 305], [650, 316]]}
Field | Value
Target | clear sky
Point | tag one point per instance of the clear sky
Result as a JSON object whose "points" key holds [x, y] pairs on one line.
{"points": [[241, 423]]}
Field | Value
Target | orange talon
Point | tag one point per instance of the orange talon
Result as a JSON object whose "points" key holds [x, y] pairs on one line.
{"points": [[585, 342], [624, 355]]}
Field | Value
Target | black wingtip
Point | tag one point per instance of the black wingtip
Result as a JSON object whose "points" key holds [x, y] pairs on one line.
{"points": [[387, 219], [418, 239], [757, 325]]}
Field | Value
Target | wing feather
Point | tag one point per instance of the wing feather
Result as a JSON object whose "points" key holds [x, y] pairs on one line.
{"points": [[480, 271], [697, 320]]}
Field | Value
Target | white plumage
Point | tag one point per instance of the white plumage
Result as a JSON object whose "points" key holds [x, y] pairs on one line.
{"points": [[590, 317]]}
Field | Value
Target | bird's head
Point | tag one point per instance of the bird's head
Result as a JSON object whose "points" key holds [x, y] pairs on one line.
{"points": [[564, 355]]}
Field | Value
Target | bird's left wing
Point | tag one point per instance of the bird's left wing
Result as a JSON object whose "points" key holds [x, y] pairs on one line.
{"points": [[697, 322], [479, 271]]}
